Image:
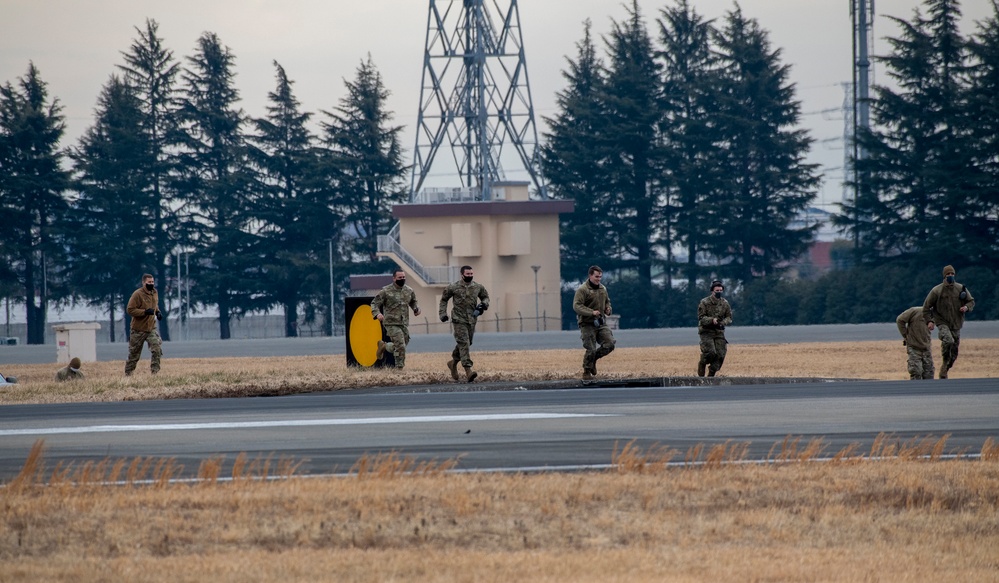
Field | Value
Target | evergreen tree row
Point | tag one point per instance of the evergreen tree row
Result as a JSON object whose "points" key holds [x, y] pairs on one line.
{"points": [[172, 163], [928, 173], [684, 154], [682, 150]]}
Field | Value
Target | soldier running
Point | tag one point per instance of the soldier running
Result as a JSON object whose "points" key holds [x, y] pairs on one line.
{"points": [[713, 314], [468, 300], [944, 308], [391, 308], [592, 306]]}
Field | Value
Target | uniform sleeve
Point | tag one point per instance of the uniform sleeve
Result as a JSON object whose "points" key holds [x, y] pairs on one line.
{"points": [[726, 318], [442, 309], [577, 303], [903, 322], [412, 301], [929, 304], [376, 304], [703, 319], [970, 302], [134, 308], [607, 307], [483, 296]]}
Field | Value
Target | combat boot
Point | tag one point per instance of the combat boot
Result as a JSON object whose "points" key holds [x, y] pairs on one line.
{"points": [[470, 374], [700, 369], [380, 353], [711, 372], [587, 375], [452, 365]]}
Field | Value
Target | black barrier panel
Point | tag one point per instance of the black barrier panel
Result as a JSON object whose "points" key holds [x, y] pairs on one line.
{"points": [[363, 334]]}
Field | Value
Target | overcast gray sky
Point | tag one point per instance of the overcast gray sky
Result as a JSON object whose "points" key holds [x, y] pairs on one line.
{"points": [[76, 44]]}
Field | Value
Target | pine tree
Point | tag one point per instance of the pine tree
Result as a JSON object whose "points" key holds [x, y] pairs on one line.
{"points": [[32, 187], [576, 166], [919, 175], [110, 220], [633, 115], [295, 206], [691, 82], [983, 120], [367, 158], [213, 167], [152, 70], [766, 180]]}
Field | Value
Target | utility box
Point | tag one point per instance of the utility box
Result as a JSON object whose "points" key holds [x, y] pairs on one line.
{"points": [[79, 339]]}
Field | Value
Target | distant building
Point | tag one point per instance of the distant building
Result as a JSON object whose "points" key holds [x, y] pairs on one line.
{"points": [[512, 242]]}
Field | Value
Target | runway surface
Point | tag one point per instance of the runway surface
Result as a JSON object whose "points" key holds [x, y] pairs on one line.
{"points": [[508, 430]]}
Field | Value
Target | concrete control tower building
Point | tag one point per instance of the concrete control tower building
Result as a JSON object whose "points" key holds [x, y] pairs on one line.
{"points": [[475, 101]]}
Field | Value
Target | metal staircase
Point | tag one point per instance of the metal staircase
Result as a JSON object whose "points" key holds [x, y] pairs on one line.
{"points": [[431, 275]]}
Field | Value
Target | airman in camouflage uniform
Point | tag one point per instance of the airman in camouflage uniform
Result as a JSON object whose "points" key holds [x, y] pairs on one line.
{"points": [[592, 306], [944, 308], [144, 309], [391, 308], [70, 372], [468, 300], [713, 314], [916, 339]]}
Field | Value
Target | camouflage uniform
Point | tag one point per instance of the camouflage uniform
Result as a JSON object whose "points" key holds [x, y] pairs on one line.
{"points": [[916, 337], [943, 308], [464, 298], [66, 373], [593, 333], [714, 347], [143, 329], [394, 302]]}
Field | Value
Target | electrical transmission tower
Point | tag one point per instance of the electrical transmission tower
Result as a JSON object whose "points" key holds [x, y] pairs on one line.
{"points": [[475, 96], [862, 14]]}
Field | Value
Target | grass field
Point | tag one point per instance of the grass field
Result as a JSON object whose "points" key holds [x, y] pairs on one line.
{"points": [[853, 519], [898, 512], [240, 377]]}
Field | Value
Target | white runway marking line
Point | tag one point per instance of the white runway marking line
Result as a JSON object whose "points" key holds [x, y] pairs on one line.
{"points": [[295, 423]]}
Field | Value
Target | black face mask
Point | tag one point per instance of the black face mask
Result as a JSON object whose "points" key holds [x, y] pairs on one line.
{"points": [[149, 287], [467, 278], [400, 282], [950, 279], [718, 294]]}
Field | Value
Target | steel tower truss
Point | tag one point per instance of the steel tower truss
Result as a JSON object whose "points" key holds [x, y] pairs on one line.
{"points": [[475, 95]]}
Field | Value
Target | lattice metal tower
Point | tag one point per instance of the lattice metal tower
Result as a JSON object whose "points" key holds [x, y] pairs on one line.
{"points": [[475, 96], [862, 14]]}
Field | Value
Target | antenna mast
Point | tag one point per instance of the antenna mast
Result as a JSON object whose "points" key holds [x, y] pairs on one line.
{"points": [[475, 95]]}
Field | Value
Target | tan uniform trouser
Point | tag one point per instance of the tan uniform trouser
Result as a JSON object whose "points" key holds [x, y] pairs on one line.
{"points": [[920, 363], [135, 343], [463, 335], [398, 339]]}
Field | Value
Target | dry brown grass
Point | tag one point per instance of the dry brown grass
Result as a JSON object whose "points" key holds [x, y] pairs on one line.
{"points": [[659, 515], [238, 377], [904, 519]]}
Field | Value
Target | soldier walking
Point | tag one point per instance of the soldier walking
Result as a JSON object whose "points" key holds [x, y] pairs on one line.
{"points": [[713, 314], [391, 308], [944, 308], [592, 306], [469, 299], [144, 309], [916, 339]]}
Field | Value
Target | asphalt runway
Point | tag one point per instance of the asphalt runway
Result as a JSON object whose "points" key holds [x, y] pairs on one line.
{"points": [[484, 340], [510, 430]]}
